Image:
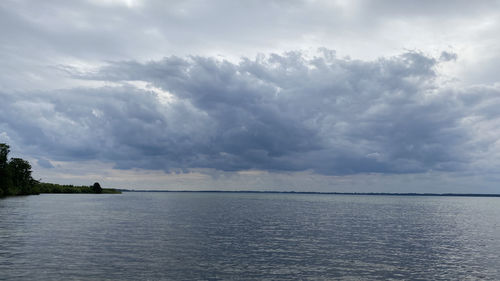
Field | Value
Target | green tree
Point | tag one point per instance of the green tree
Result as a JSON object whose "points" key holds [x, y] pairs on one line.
{"points": [[5, 177], [4, 153], [97, 188], [21, 175], [16, 179]]}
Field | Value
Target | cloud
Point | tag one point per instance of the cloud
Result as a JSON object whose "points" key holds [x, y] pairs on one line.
{"points": [[45, 163], [179, 86], [447, 56], [38, 34], [278, 112]]}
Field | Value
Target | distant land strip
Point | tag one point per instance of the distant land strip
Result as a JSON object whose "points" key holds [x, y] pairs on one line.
{"points": [[322, 193]]}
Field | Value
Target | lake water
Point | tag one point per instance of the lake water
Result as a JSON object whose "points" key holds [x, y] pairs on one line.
{"points": [[233, 236]]}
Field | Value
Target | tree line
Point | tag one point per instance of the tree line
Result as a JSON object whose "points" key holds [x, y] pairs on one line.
{"points": [[16, 179]]}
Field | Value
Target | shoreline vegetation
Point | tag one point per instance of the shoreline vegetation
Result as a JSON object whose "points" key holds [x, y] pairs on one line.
{"points": [[16, 179]]}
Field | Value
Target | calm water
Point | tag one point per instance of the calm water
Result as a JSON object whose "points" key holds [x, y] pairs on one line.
{"points": [[212, 236]]}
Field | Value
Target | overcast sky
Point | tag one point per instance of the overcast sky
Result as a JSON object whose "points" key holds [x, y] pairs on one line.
{"points": [[389, 96]]}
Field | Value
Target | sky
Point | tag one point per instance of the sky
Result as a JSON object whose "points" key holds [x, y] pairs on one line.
{"points": [[303, 95]]}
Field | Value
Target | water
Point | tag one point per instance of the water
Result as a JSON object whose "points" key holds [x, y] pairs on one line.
{"points": [[213, 236]]}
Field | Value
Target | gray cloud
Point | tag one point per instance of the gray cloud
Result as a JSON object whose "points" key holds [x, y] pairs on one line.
{"points": [[45, 163], [447, 56], [288, 112], [83, 80]]}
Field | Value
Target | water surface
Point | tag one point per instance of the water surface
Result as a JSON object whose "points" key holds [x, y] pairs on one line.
{"points": [[212, 236]]}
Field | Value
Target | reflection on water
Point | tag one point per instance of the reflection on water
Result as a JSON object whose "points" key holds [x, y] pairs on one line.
{"points": [[211, 236]]}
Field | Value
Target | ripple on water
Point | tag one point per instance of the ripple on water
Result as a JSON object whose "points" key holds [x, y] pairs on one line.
{"points": [[154, 236]]}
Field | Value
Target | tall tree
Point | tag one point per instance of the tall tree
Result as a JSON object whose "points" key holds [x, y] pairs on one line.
{"points": [[21, 175], [5, 177], [97, 188], [4, 153]]}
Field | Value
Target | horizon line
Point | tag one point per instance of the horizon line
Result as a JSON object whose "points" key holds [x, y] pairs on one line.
{"points": [[321, 193]]}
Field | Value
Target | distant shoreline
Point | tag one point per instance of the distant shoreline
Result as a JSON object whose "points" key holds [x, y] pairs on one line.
{"points": [[322, 193]]}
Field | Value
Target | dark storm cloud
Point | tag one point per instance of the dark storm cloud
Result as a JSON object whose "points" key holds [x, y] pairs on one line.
{"points": [[286, 112]]}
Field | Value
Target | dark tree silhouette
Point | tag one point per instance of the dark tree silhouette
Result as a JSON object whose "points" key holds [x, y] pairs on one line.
{"points": [[97, 188], [21, 175], [16, 179], [5, 177], [15, 175], [4, 152]]}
